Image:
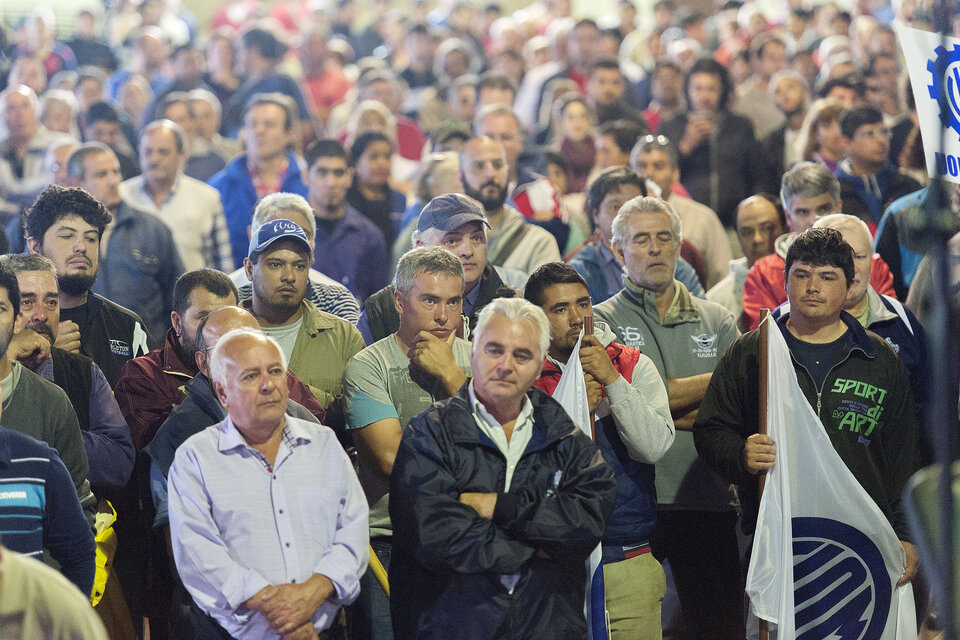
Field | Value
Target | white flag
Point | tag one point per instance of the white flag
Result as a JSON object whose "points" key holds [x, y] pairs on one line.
{"points": [[825, 560], [934, 66], [571, 393]]}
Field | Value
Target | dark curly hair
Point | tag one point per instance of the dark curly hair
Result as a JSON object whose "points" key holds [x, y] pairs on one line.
{"points": [[58, 202]]}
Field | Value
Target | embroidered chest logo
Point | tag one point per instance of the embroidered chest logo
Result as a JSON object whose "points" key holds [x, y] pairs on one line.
{"points": [[860, 413], [893, 345], [632, 336], [704, 346], [120, 348]]}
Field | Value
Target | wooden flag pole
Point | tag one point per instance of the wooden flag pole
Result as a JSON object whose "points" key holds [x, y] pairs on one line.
{"points": [[588, 331], [763, 632]]}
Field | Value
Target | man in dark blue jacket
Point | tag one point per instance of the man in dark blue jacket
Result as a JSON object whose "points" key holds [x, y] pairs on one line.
{"points": [[268, 166], [497, 499]]}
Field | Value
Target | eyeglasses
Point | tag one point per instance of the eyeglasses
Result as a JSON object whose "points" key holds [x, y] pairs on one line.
{"points": [[660, 141], [874, 133]]}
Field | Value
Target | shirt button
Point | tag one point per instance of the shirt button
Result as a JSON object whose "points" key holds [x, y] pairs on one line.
{"points": [[293, 581], [288, 544], [281, 510]]}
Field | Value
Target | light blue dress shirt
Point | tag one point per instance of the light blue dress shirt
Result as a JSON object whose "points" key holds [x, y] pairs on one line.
{"points": [[239, 524]]}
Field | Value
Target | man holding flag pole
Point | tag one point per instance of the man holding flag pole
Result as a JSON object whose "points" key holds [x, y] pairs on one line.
{"points": [[633, 429], [832, 556]]}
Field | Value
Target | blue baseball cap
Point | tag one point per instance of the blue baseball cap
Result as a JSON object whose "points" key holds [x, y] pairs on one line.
{"points": [[279, 229], [449, 211]]}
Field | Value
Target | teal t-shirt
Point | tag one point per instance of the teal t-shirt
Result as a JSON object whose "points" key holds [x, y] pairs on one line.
{"points": [[381, 383]]}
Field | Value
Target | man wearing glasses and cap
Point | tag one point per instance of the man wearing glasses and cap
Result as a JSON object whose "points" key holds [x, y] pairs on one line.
{"points": [[456, 223]]}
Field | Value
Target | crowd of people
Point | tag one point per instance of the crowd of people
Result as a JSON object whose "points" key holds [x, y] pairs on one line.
{"points": [[285, 297]]}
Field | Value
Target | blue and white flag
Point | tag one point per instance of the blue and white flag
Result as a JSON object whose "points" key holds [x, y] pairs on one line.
{"points": [[571, 393], [825, 560], [933, 62]]}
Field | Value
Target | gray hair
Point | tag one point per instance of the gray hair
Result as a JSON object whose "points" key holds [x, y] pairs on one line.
{"points": [[75, 162], [23, 90], [844, 221], [275, 205], [515, 310], [18, 262], [429, 167], [432, 260], [786, 74], [497, 109], [217, 358], [58, 97], [202, 95], [808, 180], [180, 136], [644, 205]]}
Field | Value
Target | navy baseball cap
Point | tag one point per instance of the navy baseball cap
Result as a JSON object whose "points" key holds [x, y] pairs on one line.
{"points": [[449, 211], [279, 229]]}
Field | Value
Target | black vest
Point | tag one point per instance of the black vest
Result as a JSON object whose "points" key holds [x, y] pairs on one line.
{"points": [[71, 372]]}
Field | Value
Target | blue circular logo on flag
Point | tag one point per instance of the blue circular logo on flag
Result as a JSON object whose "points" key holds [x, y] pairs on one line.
{"points": [[842, 589], [945, 85]]}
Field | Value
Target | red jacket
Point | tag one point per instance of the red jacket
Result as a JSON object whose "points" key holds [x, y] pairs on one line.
{"points": [[765, 286], [151, 385], [624, 359]]}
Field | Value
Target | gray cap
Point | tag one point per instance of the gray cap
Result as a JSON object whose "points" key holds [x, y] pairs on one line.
{"points": [[449, 211]]}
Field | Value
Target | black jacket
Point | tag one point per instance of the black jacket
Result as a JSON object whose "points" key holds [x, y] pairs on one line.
{"points": [[732, 152], [447, 561], [383, 319], [865, 405], [109, 334]]}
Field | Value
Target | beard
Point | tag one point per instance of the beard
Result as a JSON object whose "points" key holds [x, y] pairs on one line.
{"points": [[489, 203], [76, 284]]}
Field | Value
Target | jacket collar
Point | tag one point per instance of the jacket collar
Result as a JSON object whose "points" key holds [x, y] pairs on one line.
{"points": [[856, 336], [876, 310], [682, 309], [550, 421], [314, 321], [172, 358]]}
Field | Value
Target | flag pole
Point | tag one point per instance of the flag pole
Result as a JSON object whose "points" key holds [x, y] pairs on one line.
{"points": [[763, 631], [588, 330]]}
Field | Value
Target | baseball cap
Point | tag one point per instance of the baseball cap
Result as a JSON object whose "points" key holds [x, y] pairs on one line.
{"points": [[279, 229], [449, 211]]}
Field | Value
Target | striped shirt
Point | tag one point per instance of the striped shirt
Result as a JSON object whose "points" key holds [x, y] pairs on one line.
{"points": [[39, 508], [333, 298]]}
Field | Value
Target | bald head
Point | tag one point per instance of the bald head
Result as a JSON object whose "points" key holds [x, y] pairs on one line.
{"points": [[215, 326], [758, 226]]}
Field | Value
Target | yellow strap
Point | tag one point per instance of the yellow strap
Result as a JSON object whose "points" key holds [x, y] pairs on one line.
{"points": [[377, 567]]}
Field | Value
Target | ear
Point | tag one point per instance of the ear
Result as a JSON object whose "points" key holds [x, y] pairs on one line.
{"points": [[248, 268], [675, 177], [221, 393], [200, 358], [617, 253], [176, 323], [33, 245], [398, 305]]}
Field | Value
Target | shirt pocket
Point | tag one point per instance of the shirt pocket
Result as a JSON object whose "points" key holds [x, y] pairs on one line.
{"points": [[318, 515]]}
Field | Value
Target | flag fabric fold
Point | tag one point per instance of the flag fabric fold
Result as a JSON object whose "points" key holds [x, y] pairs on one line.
{"points": [[825, 561], [571, 393]]}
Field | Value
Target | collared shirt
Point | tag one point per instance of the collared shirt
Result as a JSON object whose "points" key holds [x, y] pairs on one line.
{"points": [[513, 449], [239, 524], [263, 187], [470, 299], [193, 212]]}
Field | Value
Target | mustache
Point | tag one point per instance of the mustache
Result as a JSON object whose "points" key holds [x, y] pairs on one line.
{"points": [[42, 329]]}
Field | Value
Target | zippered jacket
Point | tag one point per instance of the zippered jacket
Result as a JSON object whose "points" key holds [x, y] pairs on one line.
{"points": [[865, 404], [448, 563]]}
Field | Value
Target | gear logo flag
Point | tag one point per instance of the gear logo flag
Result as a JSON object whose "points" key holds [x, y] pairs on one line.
{"points": [[825, 560], [933, 62]]}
